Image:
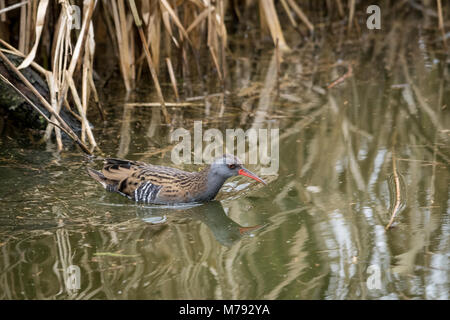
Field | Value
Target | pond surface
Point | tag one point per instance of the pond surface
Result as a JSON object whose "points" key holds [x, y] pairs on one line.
{"points": [[351, 156]]}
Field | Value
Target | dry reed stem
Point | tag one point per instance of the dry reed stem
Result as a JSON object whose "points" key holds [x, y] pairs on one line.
{"points": [[175, 18], [74, 114], [55, 78], [45, 103], [340, 8], [301, 15], [96, 99], [153, 23], [212, 42], [121, 35], [271, 20], [138, 23], [441, 22], [202, 16], [51, 86], [168, 104], [87, 80], [42, 9], [223, 36], [289, 13], [265, 99], [16, 52], [33, 105], [216, 63], [173, 79], [81, 111], [23, 29], [78, 47], [167, 25], [351, 14], [278, 60], [110, 28], [84, 91], [125, 136], [2, 15], [11, 7]]}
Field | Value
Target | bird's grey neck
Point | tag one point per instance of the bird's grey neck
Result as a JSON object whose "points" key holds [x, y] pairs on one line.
{"points": [[213, 184]]}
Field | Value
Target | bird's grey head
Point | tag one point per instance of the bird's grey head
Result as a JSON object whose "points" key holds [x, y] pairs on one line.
{"points": [[228, 165]]}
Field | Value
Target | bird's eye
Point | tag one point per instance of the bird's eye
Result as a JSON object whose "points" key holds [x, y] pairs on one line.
{"points": [[231, 166]]}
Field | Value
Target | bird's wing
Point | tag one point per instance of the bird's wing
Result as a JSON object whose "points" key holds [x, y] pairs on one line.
{"points": [[143, 182]]}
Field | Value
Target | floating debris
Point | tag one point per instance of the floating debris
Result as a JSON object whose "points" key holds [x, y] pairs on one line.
{"points": [[112, 254]]}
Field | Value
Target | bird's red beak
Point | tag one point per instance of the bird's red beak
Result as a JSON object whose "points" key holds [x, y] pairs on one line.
{"points": [[247, 173]]}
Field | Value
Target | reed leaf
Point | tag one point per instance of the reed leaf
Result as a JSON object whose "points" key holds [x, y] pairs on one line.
{"points": [[42, 9]]}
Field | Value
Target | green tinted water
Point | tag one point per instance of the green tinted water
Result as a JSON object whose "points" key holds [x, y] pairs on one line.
{"points": [[316, 231]]}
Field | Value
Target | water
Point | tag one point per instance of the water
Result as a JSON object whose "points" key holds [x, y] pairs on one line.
{"points": [[316, 231]]}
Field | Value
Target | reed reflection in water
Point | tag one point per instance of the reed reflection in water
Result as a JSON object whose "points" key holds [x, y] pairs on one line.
{"points": [[373, 148]]}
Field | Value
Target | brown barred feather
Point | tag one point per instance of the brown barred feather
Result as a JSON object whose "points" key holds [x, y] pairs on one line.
{"points": [[125, 177]]}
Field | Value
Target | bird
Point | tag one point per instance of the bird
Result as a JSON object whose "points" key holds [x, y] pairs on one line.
{"points": [[154, 184]]}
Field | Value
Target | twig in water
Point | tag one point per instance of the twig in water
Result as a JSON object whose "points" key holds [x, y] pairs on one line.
{"points": [[158, 104], [348, 74]]}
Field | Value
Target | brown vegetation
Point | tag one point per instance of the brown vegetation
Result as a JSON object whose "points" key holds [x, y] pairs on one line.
{"points": [[174, 39]]}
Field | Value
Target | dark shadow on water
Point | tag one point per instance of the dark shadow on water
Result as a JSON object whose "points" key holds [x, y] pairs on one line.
{"points": [[212, 214]]}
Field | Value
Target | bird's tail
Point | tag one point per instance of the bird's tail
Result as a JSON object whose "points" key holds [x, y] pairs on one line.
{"points": [[106, 183], [97, 176]]}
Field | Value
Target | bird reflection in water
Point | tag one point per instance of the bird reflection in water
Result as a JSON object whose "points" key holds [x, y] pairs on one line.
{"points": [[212, 214]]}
